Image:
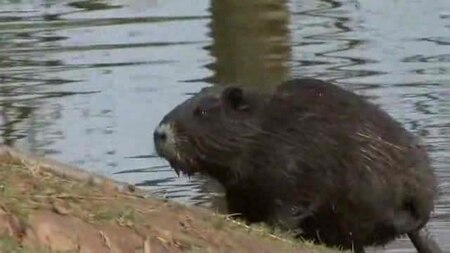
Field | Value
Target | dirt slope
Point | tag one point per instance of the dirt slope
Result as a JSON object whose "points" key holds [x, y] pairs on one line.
{"points": [[46, 206]]}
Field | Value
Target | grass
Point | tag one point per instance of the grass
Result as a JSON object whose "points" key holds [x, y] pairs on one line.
{"points": [[12, 245], [26, 189]]}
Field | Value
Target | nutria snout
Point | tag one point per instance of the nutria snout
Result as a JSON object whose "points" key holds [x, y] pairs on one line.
{"points": [[309, 157]]}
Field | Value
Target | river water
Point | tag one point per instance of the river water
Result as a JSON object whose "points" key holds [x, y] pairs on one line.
{"points": [[86, 82]]}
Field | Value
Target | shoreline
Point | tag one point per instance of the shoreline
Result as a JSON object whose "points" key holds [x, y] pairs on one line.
{"points": [[49, 206]]}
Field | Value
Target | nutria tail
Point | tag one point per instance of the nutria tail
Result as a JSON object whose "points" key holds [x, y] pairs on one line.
{"points": [[423, 242]]}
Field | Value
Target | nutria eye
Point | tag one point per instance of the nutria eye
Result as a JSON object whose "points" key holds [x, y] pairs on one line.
{"points": [[199, 112]]}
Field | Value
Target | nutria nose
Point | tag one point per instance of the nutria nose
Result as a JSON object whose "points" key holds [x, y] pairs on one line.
{"points": [[159, 135], [164, 140]]}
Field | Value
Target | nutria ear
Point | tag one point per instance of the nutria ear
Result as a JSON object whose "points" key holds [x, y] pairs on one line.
{"points": [[234, 97]]}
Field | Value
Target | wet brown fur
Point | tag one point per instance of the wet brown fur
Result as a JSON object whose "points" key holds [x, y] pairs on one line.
{"points": [[310, 157]]}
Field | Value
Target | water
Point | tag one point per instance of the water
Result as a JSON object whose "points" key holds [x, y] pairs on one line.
{"points": [[86, 82]]}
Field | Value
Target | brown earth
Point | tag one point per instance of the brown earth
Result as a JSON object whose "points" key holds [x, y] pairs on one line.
{"points": [[46, 206]]}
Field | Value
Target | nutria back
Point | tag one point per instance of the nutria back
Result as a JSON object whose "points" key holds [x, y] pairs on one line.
{"points": [[309, 157]]}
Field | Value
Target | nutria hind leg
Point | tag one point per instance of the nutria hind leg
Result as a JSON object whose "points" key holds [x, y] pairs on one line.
{"points": [[423, 242]]}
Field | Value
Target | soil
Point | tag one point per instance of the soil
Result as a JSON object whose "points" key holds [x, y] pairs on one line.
{"points": [[46, 206]]}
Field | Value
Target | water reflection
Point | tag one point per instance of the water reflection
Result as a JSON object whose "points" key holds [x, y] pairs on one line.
{"points": [[250, 42], [92, 5], [87, 81]]}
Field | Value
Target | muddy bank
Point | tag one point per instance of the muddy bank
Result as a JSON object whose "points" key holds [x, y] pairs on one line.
{"points": [[46, 206]]}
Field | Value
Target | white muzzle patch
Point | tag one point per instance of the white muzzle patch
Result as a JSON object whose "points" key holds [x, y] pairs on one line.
{"points": [[169, 143]]}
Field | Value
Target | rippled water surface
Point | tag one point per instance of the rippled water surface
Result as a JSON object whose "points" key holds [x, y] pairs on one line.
{"points": [[86, 82]]}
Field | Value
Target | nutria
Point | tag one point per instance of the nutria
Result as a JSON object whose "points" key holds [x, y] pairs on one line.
{"points": [[308, 157]]}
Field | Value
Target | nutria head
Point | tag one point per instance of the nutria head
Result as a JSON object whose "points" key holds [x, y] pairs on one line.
{"points": [[208, 132]]}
